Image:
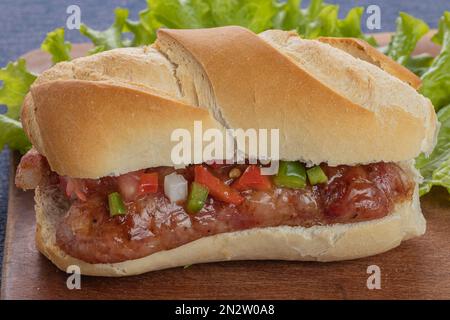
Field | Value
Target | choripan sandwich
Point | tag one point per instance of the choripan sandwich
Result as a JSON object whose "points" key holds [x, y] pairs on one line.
{"points": [[110, 199]]}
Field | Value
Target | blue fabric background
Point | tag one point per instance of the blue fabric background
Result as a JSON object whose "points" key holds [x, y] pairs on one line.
{"points": [[24, 24]]}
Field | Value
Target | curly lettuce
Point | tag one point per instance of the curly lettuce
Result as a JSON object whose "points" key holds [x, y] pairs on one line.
{"points": [[288, 16], [110, 38], [318, 19], [142, 31], [436, 168], [436, 85], [56, 46], [409, 31], [178, 14], [12, 134], [420, 63], [436, 80], [256, 15], [16, 83]]}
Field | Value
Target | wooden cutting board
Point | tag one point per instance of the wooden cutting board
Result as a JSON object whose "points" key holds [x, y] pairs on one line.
{"points": [[418, 269]]}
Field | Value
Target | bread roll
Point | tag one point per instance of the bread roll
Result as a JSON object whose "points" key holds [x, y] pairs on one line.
{"points": [[334, 101], [362, 50], [328, 105]]}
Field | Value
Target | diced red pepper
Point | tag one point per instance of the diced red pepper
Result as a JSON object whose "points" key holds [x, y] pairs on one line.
{"points": [[252, 179], [148, 182], [217, 188]]}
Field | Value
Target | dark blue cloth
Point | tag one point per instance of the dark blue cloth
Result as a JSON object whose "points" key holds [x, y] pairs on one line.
{"points": [[24, 24]]}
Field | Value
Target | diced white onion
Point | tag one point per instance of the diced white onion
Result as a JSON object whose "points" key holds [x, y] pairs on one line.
{"points": [[175, 187]]}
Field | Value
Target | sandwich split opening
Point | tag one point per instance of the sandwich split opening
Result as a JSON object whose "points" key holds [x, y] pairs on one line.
{"points": [[115, 219]]}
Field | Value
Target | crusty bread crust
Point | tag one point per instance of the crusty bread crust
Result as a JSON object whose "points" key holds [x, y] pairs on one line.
{"points": [[144, 67], [362, 50], [120, 129], [318, 243], [92, 116], [329, 106]]}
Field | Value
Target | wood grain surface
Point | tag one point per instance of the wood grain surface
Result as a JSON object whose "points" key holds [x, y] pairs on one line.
{"points": [[418, 269]]}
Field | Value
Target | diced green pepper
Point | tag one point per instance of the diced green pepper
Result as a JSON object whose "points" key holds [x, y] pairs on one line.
{"points": [[116, 205], [197, 197], [316, 175], [291, 174]]}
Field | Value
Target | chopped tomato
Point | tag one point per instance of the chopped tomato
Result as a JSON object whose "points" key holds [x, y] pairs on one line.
{"points": [[148, 183], [252, 179], [217, 188]]}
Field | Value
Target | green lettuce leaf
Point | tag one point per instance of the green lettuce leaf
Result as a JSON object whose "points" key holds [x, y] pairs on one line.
{"points": [[16, 83], [436, 80], [409, 31], [315, 8], [110, 38], [324, 24], [288, 16], [436, 168], [143, 29], [420, 63], [350, 26], [318, 19], [12, 134], [56, 46], [256, 15], [321, 19], [178, 14], [438, 37]]}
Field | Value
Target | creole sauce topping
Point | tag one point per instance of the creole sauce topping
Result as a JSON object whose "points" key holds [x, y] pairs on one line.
{"points": [[225, 198]]}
